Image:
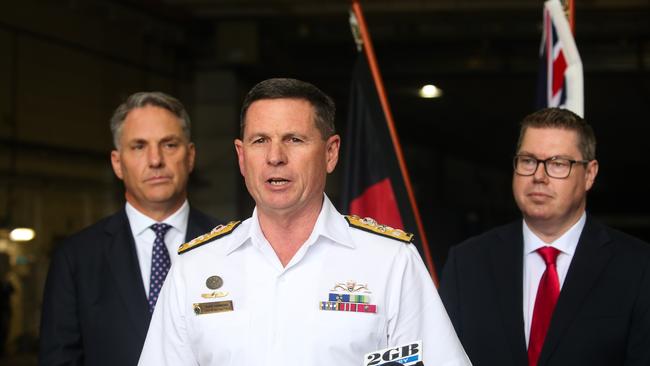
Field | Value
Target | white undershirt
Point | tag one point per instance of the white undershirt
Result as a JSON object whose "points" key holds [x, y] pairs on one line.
{"points": [[534, 265], [144, 236]]}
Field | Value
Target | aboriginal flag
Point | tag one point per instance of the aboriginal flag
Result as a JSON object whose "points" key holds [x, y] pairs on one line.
{"points": [[560, 82], [372, 181]]}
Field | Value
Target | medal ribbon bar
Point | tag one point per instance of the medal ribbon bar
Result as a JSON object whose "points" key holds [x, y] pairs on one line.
{"points": [[347, 306], [364, 299]]}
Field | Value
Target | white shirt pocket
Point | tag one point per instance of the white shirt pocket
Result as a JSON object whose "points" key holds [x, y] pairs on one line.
{"points": [[346, 336], [222, 338]]}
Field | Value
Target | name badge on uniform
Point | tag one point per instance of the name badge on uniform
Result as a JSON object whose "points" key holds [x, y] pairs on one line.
{"points": [[407, 354], [212, 307]]}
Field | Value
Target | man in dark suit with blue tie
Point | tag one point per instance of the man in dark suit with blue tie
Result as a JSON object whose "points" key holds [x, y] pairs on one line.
{"points": [[558, 287], [104, 281]]}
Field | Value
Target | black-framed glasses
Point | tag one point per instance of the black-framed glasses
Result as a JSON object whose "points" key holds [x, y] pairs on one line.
{"points": [[555, 167]]}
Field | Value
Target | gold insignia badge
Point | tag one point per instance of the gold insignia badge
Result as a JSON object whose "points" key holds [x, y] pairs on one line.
{"points": [[217, 232], [214, 294], [370, 225]]}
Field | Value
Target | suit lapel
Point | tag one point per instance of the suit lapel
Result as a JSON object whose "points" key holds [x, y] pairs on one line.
{"points": [[197, 224], [591, 258], [506, 260], [122, 258]]}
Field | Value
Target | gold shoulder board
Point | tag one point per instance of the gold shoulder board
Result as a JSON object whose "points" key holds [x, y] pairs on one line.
{"points": [[216, 233], [370, 225]]}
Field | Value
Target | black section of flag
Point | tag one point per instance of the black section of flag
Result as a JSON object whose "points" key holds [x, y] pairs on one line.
{"points": [[369, 156]]}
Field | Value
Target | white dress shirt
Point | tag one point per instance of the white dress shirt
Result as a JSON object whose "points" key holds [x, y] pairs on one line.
{"points": [[144, 236], [276, 318], [534, 265]]}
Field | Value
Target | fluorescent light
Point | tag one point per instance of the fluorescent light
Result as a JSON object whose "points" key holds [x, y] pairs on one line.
{"points": [[22, 234], [430, 91]]}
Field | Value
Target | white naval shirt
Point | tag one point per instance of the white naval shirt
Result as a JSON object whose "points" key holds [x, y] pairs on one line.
{"points": [[277, 319]]}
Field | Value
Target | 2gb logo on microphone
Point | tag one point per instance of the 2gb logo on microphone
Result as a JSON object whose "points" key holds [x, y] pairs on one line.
{"points": [[408, 354]]}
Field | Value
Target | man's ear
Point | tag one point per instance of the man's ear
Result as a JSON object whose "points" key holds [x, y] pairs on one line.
{"points": [[332, 152], [191, 155], [239, 148], [591, 172], [116, 162]]}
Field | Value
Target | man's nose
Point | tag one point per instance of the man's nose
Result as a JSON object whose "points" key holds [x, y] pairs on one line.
{"points": [[155, 157], [276, 154], [540, 174]]}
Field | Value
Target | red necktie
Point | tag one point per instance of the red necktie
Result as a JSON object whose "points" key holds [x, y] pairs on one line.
{"points": [[547, 294]]}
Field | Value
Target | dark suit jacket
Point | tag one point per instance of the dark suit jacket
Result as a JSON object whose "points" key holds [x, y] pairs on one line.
{"points": [[602, 316], [95, 310]]}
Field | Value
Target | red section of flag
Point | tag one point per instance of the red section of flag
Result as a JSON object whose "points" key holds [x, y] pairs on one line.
{"points": [[378, 201], [559, 68]]}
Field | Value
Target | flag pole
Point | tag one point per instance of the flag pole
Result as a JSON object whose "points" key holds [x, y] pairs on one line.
{"points": [[571, 17], [379, 85], [568, 7]]}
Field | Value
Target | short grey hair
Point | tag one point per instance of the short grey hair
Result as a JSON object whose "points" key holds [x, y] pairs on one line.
{"points": [[143, 99]]}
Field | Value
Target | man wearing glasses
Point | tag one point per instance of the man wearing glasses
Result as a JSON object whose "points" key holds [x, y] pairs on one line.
{"points": [[558, 287]]}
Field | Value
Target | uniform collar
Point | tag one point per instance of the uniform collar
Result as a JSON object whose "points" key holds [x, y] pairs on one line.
{"points": [[140, 222], [332, 225], [566, 243], [329, 224]]}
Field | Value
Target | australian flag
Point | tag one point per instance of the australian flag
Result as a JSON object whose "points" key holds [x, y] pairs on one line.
{"points": [[560, 81]]}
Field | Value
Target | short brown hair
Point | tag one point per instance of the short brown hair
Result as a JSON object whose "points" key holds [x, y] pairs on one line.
{"points": [[563, 119], [281, 88]]}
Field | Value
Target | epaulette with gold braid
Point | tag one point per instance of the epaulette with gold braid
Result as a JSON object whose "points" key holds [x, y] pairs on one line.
{"points": [[370, 225], [214, 234]]}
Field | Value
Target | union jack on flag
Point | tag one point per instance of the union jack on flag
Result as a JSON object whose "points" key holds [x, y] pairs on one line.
{"points": [[560, 76]]}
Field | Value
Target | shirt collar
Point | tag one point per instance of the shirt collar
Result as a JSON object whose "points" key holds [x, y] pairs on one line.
{"points": [[329, 224], [140, 222], [566, 243]]}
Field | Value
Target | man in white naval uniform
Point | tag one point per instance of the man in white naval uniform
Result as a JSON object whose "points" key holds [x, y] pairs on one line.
{"points": [[297, 283]]}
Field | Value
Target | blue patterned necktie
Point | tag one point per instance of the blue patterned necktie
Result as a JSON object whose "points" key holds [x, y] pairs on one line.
{"points": [[160, 263]]}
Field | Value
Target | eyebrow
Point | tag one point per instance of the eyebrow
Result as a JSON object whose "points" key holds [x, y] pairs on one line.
{"points": [[171, 138], [253, 136], [163, 140], [295, 134], [136, 140], [562, 156], [283, 136]]}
